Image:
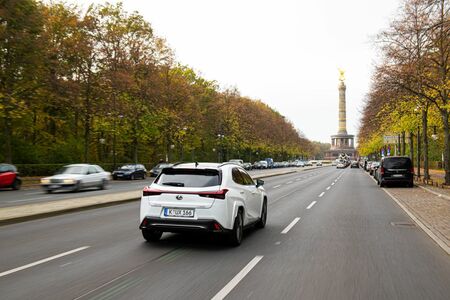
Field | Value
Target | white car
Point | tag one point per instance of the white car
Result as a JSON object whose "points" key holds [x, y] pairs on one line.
{"points": [[207, 197], [75, 177]]}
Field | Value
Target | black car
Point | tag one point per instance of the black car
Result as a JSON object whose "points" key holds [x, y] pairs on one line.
{"points": [[157, 169], [395, 170], [132, 171]]}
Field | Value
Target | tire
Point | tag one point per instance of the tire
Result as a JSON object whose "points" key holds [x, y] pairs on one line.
{"points": [[144, 176], [77, 187], [262, 221], [235, 237], [102, 185], [48, 191], [151, 236], [411, 184], [16, 184]]}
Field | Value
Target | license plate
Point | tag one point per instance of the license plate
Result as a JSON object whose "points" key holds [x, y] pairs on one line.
{"points": [[397, 175], [119, 175], [54, 186], [179, 212]]}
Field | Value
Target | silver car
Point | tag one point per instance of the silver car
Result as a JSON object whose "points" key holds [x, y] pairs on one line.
{"points": [[76, 177]]}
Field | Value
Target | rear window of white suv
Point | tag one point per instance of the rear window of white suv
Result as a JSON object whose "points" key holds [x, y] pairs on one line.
{"points": [[189, 177]]}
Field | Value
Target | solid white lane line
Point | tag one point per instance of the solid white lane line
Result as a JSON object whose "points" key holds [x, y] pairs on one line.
{"points": [[42, 261], [35, 193], [239, 276], [30, 199], [321, 194], [328, 188], [311, 205], [286, 230], [277, 186], [332, 183]]}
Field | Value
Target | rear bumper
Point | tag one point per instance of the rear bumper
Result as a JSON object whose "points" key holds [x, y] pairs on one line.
{"points": [[406, 179], [180, 225]]}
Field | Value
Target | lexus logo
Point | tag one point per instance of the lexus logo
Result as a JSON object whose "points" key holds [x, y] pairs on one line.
{"points": [[179, 197]]}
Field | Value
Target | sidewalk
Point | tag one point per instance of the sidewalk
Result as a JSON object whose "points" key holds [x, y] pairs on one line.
{"points": [[432, 210]]}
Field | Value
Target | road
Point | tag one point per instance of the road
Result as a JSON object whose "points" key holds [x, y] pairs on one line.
{"points": [[35, 194], [330, 235]]}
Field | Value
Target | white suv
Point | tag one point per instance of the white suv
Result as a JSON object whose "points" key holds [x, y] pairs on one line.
{"points": [[207, 197]]}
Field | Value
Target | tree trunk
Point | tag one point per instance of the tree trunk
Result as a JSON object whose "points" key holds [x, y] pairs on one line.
{"points": [[135, 141], [411, 146], [403, 143], [426, 174], [444, 114], [418, 153], [8, 138]]}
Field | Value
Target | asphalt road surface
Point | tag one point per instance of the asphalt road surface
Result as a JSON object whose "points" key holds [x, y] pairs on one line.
{"points": [[30, 195], [330, 234]]}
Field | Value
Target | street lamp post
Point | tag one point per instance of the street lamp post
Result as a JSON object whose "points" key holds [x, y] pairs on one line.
{"points": [[220, 156]]}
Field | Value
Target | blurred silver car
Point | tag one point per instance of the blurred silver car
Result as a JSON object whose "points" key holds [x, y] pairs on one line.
{"points": [[76, 177]]}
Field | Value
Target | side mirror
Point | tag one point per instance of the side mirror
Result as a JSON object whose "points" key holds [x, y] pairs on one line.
{"points": [[259, 182]]}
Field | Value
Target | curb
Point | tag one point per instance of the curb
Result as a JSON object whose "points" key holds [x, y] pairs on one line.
{"points": [[433, 236], [94, 205], [44, 215], [433, 192]]}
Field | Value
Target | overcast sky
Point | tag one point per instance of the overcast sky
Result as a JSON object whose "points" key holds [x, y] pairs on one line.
{"points": [[284, 52]]}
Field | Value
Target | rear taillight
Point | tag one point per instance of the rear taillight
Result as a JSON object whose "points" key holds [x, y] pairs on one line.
{"points": [[220, 194], [411, 170], [151, 192], [381, 170]]}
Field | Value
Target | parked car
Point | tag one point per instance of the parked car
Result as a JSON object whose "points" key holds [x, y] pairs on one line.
{"points": [[203, 197], [157, 169], [75, 177], [319, 164], [248, 166], [238, 162], [9, 177], [340, 165], [395, 169], [300, 164], [132, 171], [354, 164], [262, 164], [373, 167]]}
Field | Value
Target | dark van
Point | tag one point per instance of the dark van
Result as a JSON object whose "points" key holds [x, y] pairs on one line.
{"points": [[395, 169]]}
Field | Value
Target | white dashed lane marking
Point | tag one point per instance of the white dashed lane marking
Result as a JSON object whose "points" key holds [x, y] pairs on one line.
{"points": [[292, 224], [311, 205]]}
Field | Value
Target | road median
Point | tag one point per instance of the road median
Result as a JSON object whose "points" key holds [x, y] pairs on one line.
{"points": [[26, 212]]}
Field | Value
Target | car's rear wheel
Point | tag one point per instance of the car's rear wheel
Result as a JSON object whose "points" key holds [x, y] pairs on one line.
{"points": [[102, 185], [235, 237], [16, 184], [151, 235], [262, 221]]}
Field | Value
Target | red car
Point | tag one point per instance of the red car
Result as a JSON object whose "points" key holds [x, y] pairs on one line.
{"points": [[9, 177]]}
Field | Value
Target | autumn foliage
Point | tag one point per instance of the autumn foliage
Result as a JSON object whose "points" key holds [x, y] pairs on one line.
{"points": [[97, 85]]}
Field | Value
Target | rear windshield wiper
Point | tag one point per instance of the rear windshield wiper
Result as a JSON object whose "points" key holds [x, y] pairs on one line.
{"points": [[174, 183]]}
